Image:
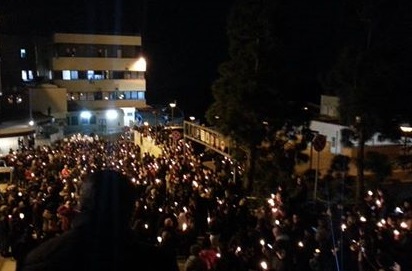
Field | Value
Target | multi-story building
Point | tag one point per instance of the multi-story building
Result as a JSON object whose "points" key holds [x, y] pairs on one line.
{"points": [[83, 82], [100, 72], [89, 72]]}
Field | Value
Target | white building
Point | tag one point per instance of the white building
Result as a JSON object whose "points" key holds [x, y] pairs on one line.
{"points": [[100, 72], [332, 129]]}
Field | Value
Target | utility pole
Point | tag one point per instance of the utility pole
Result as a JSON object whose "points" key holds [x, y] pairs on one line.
{"points": [[360, 185]]}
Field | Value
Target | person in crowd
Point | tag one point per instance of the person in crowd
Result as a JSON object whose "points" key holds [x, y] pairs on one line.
{"points": [[208, 253], [27, 241], [4, 231], [65, 215], [194, 262], [229, 259], [176, 184], [168, 235], [101, 237]]}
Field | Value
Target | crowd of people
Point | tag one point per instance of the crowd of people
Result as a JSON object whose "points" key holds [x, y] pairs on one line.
{"points": [[201, 215]]}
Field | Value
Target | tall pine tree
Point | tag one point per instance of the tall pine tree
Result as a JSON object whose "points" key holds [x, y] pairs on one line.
{"points": [[249, 96]]}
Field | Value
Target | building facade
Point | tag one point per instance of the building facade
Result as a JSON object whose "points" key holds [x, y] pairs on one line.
{"points": [[67, 74], [100, 72]]}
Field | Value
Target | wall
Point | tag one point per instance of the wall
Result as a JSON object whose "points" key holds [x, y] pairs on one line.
{"points": [[48, 95]]}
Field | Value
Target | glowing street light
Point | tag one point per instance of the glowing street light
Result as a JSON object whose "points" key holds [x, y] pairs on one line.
{"points": [[31, 121], [111, 114], [172, 106], [85, 115], [406, 129], [140, 65]]}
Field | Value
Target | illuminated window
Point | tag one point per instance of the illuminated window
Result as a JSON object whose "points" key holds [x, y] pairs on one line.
{"points": [[95, 75], [133, 95], [98, 75], [66, 75], [24, 75], [90, 75], [70, 75], [74, 75], [141, 95], [23, 53]]}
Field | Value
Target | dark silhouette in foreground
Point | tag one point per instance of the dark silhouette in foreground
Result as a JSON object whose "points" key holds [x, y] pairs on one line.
{"points": [[101, 238]]}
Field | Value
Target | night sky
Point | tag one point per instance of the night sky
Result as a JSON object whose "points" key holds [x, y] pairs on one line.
{"points": [[185, 40]]}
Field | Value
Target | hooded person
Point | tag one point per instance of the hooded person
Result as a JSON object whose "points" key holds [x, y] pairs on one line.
{"points": [[101, 237]]}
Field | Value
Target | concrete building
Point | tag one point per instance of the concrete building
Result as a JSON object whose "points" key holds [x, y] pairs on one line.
{"points": [[100, 72], [329, 126], [66, 75]]}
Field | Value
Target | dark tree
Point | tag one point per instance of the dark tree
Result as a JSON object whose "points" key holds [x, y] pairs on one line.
{"points": [[249, 97], [370, 69]]}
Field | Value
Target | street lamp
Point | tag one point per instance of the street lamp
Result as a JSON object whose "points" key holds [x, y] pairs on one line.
{"points": [[172, 106], [31, 121]]}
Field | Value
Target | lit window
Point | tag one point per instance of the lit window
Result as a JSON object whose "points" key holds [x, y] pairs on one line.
{"points": [[30, 75], [85, 117], [24, 75], [140, 95], [23, 53], [74, 75], [98, 75], [90, 75], [66, 75]]}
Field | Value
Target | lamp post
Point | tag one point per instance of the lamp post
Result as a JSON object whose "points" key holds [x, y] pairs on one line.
{"points": [[155, 113], [31, 121], [360, 184], [172, 106]]}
